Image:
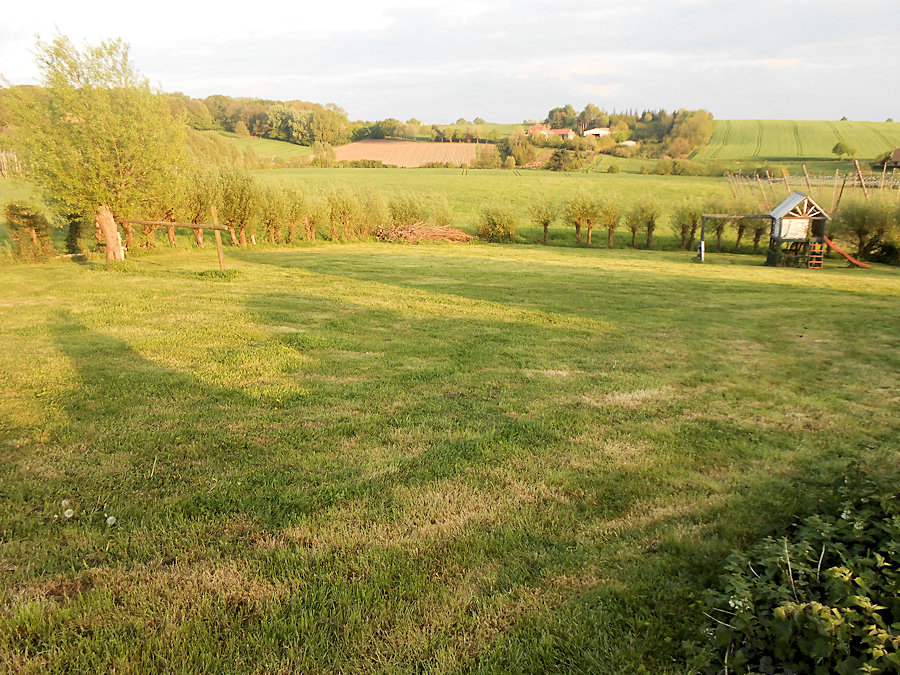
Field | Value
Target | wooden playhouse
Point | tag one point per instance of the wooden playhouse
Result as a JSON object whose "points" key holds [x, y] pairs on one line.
{"points": [[797, 237]]}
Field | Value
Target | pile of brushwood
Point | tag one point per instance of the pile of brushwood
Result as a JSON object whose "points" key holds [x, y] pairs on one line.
{"points": [[416, 232]]}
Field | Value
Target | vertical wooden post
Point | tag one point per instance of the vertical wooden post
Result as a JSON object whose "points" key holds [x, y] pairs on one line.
{"points": [[883, 176], [840, 194], [862, 181], [763, 190], [808, 185], [702, 246], [837, 176], [787, 185], [731, 183], [218, 234]]}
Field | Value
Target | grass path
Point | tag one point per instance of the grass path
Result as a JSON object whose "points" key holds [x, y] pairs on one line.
{"points": [[398, 458]]}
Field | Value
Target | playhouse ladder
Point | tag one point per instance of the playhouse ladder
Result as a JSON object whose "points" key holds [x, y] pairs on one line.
{"points": [[816, 256]]}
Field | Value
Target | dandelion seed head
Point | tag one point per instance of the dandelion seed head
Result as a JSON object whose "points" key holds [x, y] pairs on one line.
{"points": [[110, 521], [68, 513], [64, 503]]}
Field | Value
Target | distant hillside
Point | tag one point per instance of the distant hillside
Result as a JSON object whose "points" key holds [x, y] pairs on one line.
{"points": [[785, 140]]}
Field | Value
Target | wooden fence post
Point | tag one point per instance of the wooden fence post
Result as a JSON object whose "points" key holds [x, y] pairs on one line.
{"points": [[218, 235]]}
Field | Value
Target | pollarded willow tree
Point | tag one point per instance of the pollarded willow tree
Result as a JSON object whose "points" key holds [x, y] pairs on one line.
{"points": [[100, 139]]}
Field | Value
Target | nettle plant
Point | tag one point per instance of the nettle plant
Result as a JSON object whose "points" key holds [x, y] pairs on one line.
{"points": [[825, 599]]}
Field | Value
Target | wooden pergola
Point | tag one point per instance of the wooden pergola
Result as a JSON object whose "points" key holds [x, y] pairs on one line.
{"points": [[706, 217]]}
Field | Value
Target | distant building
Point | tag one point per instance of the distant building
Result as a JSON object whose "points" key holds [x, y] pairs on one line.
{"points": [[597, 131], [565, 133], [544, 130], [894, 161]]}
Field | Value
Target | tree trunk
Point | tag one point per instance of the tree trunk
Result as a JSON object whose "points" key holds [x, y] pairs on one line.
{"points": [[578, 233], [234, 240], [129, 235], [107, 225], [170, 233], [590, 232], [97, 233], [346, 230], [609, 239], [334, 234], [149, 236], [719, 240], [271, 233], [309, 228], [292, 231], [756, 236], [35, 244], [242, 235], [634, 239], [546, 233], [740, 235], [692, 236], [650, 237], [198, 236]]}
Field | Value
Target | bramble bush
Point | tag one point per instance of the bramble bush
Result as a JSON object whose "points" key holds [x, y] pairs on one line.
{"points": [[825, 599]]}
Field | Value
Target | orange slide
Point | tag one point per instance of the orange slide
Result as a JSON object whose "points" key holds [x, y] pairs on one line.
{"points": [[845, 254]]}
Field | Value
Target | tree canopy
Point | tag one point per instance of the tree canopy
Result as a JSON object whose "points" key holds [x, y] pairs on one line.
{"points": [[98, 134]]}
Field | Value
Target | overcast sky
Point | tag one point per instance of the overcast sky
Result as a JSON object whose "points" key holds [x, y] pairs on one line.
{"points": [[504, 61]]}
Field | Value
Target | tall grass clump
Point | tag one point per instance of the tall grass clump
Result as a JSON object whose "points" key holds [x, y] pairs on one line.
{"points": [[406, 209], [441, 212], [497, 223]]}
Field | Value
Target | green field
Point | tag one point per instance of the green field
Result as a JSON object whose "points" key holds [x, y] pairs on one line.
{"points": [[267, 149], [467, 190], [376, 458], [786, 140]]}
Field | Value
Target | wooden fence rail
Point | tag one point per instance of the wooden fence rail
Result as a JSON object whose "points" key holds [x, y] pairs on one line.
{"points": [[217, 229]]}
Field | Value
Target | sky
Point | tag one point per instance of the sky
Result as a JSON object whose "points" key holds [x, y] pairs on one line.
{"points": [[503, 61]]}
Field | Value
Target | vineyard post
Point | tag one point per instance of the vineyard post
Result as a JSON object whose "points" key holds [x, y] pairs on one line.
{"points": [[883, 175], [862, 182], [771, 189], [731, 183], [787, 185], [837, 176], [808, 185], [763, 190]]}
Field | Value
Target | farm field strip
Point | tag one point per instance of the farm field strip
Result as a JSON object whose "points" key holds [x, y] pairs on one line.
{"points": [[409, 154], [796, 140]]}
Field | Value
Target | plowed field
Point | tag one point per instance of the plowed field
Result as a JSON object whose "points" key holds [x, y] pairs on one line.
{"points": [[408, 153]]}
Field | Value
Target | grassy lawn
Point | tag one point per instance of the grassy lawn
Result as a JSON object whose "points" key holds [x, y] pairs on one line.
{"points": [[379, 458]]}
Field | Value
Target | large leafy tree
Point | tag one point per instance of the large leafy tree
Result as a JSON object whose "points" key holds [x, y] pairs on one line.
{"points": [[99, 134]]}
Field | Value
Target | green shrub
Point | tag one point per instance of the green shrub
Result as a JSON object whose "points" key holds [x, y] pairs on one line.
{"points": [[613, 168], [497, 222], [825, 599], [406, 209], [29, 230]]}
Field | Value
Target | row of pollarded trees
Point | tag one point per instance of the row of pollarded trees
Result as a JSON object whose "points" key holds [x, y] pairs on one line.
{"points": [[278, 214], [873, 225], [586, 212]]}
